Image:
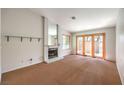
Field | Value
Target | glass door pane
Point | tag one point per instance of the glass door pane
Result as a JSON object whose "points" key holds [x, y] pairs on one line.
{"points": [[88, 45], [80, 45], [98, 41]]}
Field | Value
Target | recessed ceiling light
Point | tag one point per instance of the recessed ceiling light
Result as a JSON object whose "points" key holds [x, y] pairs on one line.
{"points": [[73, 17]]}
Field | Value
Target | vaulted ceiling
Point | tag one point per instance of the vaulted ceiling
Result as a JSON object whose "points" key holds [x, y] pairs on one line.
{"points": [[86, 18]]}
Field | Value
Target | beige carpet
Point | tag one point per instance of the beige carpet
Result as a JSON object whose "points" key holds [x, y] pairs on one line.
{"points": [[74, 69]]}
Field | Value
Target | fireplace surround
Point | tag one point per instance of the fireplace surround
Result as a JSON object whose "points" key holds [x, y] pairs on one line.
{"points": [[51, 53]]}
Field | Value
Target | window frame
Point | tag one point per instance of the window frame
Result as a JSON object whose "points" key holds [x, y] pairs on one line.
{"points": [[68, 43]]}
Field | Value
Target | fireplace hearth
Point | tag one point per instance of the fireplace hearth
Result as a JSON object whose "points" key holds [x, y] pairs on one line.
{"points": [[52, 53]]}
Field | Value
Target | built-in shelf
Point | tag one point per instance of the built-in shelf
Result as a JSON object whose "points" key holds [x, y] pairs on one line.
{"points": [[22, 37]]}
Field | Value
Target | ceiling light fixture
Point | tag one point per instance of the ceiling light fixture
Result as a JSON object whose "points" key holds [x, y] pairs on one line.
{"points": [[73, 17]]}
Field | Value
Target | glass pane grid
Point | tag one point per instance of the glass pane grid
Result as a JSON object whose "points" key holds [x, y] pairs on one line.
{"points": [[80, 45], [66, 41], [88, 45], [98, 46]]}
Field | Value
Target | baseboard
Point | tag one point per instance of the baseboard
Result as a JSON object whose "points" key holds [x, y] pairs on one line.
{"points": [[120, 74], [21, 67], [110, 60]]}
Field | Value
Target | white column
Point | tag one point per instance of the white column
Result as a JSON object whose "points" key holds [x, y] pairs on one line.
{"points": [[45, 39]]}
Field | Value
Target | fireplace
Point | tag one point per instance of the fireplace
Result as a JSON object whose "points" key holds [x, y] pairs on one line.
{"points": [[52, 53]]}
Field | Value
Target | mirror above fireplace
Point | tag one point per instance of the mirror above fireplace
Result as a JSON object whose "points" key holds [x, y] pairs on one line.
{"points": [[52, 34]]}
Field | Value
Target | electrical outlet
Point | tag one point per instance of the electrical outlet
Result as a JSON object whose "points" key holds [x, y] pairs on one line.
{"points": [[30, 59]]}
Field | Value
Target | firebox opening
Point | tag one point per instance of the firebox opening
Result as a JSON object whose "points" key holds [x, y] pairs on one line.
{"points": [[52, 53]]}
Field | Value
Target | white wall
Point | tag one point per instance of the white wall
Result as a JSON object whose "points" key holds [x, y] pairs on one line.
{"points": [[66, 51], [110, 41], [0, 45], [17, 54], [120, 44]]}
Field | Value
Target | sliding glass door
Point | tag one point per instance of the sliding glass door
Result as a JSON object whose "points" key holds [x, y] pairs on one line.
{"points": [[91, 45]]}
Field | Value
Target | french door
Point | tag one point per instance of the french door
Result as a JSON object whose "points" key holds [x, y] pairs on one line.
{"points": [[88, 45], [80, 45], [91, 45]]}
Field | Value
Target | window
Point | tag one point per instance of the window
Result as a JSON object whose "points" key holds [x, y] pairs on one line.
{"points": [[66, 42]]}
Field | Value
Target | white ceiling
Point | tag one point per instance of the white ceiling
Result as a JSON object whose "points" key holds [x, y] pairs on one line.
{"points": [[86, 18]]}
